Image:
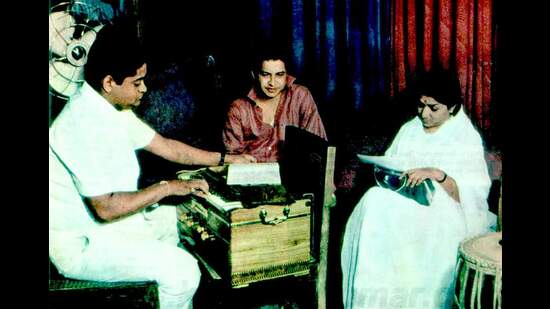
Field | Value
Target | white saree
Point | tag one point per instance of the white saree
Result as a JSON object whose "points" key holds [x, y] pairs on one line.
{"points": [[397, 253]]}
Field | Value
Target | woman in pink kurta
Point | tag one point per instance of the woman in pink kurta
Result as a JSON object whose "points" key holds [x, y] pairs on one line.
{"points": [[246, 129]]}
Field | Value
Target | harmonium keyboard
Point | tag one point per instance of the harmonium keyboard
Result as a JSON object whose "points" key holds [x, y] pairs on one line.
{"points": [[246, 234]]}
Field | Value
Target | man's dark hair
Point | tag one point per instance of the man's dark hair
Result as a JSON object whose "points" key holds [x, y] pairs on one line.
{"points": [[440, 84], [268, 51], [116, 51]]}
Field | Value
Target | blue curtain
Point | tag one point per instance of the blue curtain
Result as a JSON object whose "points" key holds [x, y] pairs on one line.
{"points": [[338, 48]]}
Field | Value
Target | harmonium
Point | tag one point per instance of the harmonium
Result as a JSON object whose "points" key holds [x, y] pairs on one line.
{"points": [[246, 234]]}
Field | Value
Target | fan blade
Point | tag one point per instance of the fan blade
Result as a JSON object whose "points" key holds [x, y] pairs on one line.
{"points": [[61, 32], [89, 37], [65, 78]]}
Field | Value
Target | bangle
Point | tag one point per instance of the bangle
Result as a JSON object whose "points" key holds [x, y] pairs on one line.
{"points": [[444, 178], [222, 159]]}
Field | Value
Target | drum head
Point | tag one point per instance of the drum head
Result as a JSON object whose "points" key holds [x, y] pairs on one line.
{"points": [[485, 249]]}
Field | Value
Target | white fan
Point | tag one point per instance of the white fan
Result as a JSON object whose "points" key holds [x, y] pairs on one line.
{"points": [[72, 32]]}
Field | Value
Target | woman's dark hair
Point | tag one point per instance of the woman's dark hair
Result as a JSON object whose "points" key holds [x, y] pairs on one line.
{"points": [[440, 84], [116, 51]]}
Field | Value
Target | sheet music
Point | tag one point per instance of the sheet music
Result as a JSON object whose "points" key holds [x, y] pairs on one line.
{"points": [[254, 174], [393, 163]]}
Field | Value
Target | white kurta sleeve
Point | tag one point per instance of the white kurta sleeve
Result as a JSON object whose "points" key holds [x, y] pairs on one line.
{"points": [[139, 132]]}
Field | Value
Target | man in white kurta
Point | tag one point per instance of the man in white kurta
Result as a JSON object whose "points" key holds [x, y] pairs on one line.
{"points": [[97, 143], [101, 225], [400, 254]]}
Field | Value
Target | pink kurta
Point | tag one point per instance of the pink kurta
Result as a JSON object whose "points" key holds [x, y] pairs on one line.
{"points": [[245, 132]]}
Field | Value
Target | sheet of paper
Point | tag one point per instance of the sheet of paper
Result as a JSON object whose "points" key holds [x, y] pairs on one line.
{"points": [[393, 163], [254, 174]]}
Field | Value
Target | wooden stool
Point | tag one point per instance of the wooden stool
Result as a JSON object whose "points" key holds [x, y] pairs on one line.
{"points": [[72, 293], [483, 256]]}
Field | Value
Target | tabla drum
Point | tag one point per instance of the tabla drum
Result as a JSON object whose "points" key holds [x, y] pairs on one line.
{"points": [[479, 272]]}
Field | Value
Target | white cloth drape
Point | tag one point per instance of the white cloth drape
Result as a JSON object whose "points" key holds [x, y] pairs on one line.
{"points": [[399, 254]]}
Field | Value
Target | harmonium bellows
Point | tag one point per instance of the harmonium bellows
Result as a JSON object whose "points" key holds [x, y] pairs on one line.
{"points": [[245, 241]]}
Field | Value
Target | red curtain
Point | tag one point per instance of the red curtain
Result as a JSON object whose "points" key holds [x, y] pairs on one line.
{"points": [[455, 34]]}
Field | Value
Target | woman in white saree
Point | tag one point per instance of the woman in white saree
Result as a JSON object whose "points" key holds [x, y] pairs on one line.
{"points": [[397, 253]]}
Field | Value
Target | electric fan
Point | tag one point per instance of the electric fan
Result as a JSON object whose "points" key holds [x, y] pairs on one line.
{"points": [[73, 29]]}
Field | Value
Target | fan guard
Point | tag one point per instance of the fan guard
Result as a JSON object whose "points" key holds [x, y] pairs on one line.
{"points": [[72, 31]]}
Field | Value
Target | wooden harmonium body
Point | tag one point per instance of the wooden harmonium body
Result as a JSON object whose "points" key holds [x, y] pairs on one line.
{"points": [[262, 236]]}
